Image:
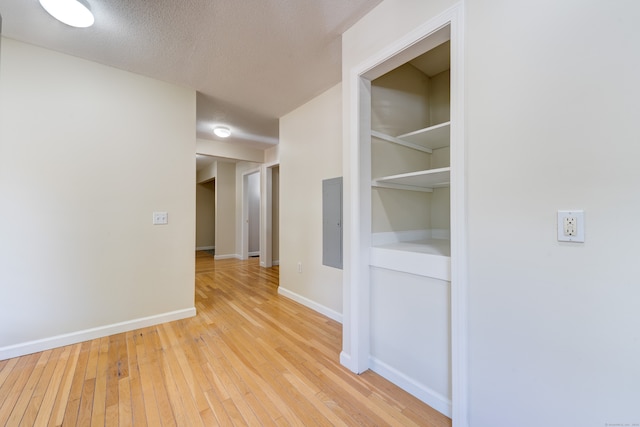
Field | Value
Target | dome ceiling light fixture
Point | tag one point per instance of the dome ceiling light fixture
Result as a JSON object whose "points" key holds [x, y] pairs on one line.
{"points": [[222, 131], [75, 13]]}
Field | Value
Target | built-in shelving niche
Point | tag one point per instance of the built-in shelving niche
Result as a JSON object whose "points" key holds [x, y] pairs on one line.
{"points": [[410, 171]]}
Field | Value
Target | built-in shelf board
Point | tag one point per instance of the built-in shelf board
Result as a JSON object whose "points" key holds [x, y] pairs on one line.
{"points": [[429, 258], [433, 137], [416, 181], [425, 140]]}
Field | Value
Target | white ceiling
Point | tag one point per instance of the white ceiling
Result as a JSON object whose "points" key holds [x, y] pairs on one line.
{"points": [[251, 61]]}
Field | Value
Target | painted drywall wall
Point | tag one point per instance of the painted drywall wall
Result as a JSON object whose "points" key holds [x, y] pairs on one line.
{"points": [[205, 215], [554, 337], [207, 173], [226, 210], [312, 132], [87, 154], [227, 150], [254, 212], [275, 216]]}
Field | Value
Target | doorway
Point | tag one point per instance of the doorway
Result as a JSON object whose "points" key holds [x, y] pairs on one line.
{"points": [[251, 214]]}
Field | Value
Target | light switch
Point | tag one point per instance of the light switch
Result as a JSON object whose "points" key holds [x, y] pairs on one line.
{"points": [[571, 226], [160, 218]]}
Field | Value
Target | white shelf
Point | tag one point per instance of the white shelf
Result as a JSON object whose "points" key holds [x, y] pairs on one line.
{"points": [[417, 181], [426, 140], [432, 137], [429, 258]]}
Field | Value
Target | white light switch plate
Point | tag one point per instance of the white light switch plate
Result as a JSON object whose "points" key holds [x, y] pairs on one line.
{"points": [[160, 218], [571, 226]]}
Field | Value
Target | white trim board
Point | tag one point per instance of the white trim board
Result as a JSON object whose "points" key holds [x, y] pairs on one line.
{"points": [[331, 314], [431, 397], [227, 256], [357, 257], [43, 344], [273, 264], [205, 248]]}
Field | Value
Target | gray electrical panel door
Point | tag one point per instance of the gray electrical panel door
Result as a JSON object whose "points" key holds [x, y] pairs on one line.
{"points": [[332, 222]]}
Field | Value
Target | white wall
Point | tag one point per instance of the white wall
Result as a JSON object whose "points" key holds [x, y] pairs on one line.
{"points": [[87, 153], [254, 212], [553, 100], [551, 110], [205, 215], [226, 210], [310, 151], [275, 216]]}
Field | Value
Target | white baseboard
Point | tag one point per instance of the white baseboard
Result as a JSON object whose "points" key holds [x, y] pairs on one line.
{"points": [[345, 360], [29, 347], [227, 256], [264, 264], [431, 397], [205, 248], [254, 253], [331, 314]]}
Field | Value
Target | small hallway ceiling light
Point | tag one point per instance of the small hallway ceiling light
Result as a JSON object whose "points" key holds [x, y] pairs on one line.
{"points": [[74, 13], [222, 131]]}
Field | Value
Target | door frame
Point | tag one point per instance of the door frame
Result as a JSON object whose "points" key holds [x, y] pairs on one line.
{"points": [[244, 240], [266, 209], [356, 320]]}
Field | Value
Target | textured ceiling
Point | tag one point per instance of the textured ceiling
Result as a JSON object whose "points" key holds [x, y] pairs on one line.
{"points": [[251, 61]]}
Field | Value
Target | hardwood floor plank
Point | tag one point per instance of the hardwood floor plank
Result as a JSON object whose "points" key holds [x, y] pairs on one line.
{"points": [[62, 397], [20, 407], [98, 413], [70, 415], [44, 406], [249, 357], [125, 416], [7, 368]]}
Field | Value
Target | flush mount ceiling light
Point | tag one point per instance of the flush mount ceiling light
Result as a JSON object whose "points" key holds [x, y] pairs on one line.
{"points": [[222, 131], [71, 12]]}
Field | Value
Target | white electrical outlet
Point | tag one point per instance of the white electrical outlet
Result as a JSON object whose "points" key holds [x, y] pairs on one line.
{"points": [[160, 218], [299, 267], [571, 226]]}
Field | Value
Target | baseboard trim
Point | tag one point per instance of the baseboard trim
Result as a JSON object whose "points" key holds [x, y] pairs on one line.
{"points": [[345, 360], [264, 264], [227, 256], [254, 253], [331, 314], [431, 397], [43, 344], [205, 248]]}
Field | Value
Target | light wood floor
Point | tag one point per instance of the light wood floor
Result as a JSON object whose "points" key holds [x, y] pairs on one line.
{"points": [[250, 357]]}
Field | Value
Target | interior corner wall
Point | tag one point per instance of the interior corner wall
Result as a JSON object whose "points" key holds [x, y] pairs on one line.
{"points": [[275, 215], [553, 100], [87, 154], [205, 215], [310, 151], [226, 210]]}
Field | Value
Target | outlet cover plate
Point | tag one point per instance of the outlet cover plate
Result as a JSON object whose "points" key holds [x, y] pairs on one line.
{"points": [[578, 215], [160, 218]]}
